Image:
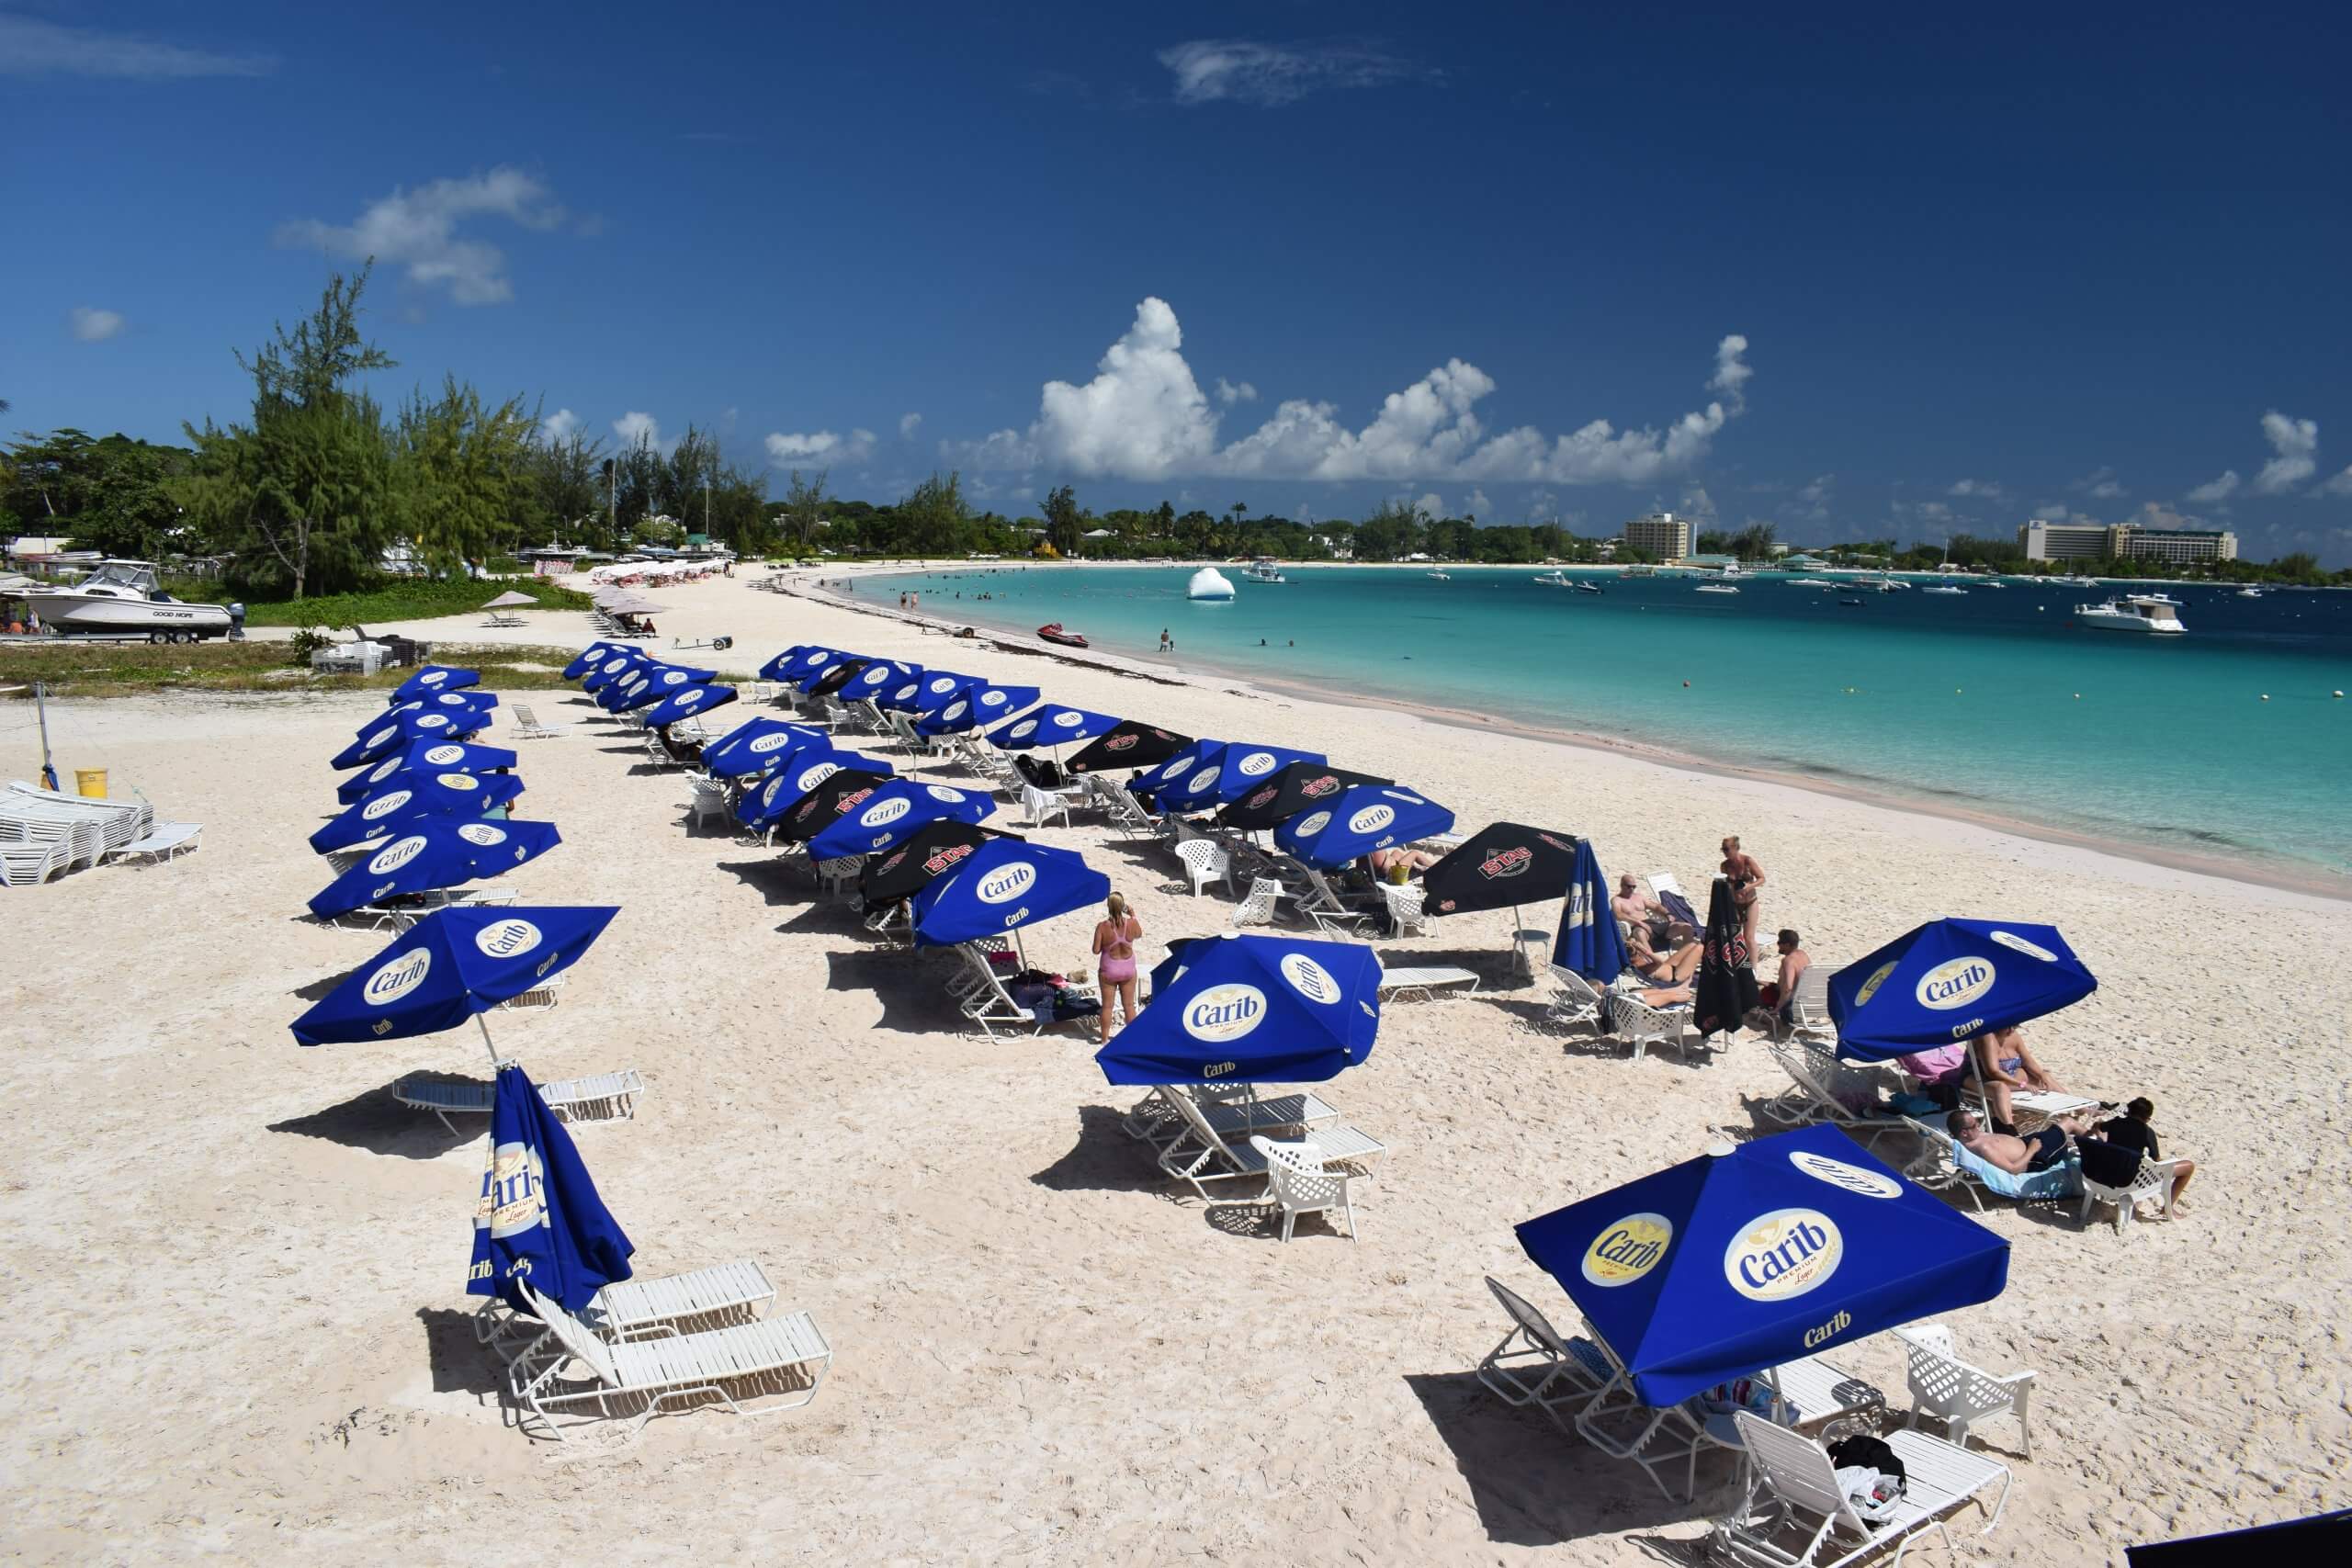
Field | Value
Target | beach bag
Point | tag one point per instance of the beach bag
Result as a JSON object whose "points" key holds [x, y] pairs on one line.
{"points": [[1914, 1105], [1751, 1394], [1863, 1451]]}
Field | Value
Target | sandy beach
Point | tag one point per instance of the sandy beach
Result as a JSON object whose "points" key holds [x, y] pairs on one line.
{"points": [[241, 1330]]}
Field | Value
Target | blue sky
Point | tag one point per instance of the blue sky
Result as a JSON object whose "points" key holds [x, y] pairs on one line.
{"points": [[1869, 270]]}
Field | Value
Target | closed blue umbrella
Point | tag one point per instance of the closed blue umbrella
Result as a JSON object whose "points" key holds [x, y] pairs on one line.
{"points": [[1730, 1264], [1050, 724], [457, 756], [1007, 884], [928, 692], [976, 704], [435, 678], [834, 667], [797, 664], [1226, 773], [452, 966], [892, 813], [411, 796], [776, 668], [747, 748], [402, 730], [612, 670], [877, 678], [588, 658], [659, 686], [1365, 819], [1589, 942], [434, 851], [1183, 765], [789, 783], [1950, 980], [1250, 1009], [446, 701], [687, 703], [540, 1218]]}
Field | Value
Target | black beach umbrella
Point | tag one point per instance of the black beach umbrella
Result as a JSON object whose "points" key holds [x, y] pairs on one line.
{"points": [[840, 675], [1300, 786], [934, 849], [1133, 744], [1502, 864], [1726, 985], [834, 796]]}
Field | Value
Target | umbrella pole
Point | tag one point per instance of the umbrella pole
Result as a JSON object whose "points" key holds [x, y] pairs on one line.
{"points": [[487, 1044]]}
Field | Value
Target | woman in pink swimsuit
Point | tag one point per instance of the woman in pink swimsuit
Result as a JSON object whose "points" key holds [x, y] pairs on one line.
{"points": [[1115, 953]]}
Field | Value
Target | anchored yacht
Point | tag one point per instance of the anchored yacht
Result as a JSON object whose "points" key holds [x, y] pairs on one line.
{"points": [[2133, 612], [1264, 570]]}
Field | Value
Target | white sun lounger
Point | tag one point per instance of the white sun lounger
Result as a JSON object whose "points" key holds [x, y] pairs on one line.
{"points": [[1157, 1121], [1823, 1089], [702, 1298], [1199, 1154], [660, 1366], [1793, 1484], [528, 728], [162, 842], [1426, 982], [607, 1097]]}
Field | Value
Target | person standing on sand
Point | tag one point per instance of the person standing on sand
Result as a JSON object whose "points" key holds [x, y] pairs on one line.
{"points": [[1746, 877], [1114, 954]]}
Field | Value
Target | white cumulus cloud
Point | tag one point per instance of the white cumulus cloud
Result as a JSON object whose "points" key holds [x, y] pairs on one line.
{"points": [[1144, 416], [820, 447], [2340, 485], [94, 325], [1232, 392], [417, 231], [2296, 441], [636, 429], [1478, 505], [908, 424], [558, 426], [1430, 506], [2217, 490], [1245, 71]]}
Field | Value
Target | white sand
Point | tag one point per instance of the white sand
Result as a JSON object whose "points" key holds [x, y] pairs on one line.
{"points": [[238, 1329]]}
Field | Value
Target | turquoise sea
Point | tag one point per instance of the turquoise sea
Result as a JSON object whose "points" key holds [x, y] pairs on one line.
{"points": [[1991, 701]]}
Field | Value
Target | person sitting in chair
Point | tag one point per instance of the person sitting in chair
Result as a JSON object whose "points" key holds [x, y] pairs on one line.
{"points": [[1385, 862], [2130, 1135], [1673, 967], [2006, 1063]]}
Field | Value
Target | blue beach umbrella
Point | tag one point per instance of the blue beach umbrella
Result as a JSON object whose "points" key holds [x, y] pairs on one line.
{"points": [[457, 756], [588, 658], [400, 731], [434, 851], [1183, 765], [1950, 980], [435, 678], [660, 685], [832, 666], [977, 704], [408, 796], [1250, 1009], [453, 964], [877, 678], [1007, 884], [1589, 942], [448, 701], [611, 668], [540, 1219], [1365, 819], [1725, 1265], [894, 812], [1226, 772], [797, 664], [1050, 724], [687, 703], [791, 780], [928, 692], [747, 748]]}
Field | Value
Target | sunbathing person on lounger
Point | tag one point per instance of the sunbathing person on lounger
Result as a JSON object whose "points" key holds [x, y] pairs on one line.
{"points": [[1673, 968], [2019, 1157]]}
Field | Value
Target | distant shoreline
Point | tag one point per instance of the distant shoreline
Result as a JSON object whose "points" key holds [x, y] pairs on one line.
{"points": [[2261, 872]]}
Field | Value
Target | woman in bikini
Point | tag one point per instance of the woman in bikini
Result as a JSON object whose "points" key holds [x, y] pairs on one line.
{"points": [[1114, 954]]}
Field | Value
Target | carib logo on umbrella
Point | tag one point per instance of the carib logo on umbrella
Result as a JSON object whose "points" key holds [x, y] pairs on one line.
{"points": [[431, 721], [1314, 823], [432, 678], [442, 756], [458, 781], [940, 686], [1225, 1012], [514, 1196], [395, 855], [1202, 780], [1785, 1253], [1020, 731], [1069, 720], [384, 806], [770, 741], [1628, 1249], [992, 699], [1007, 883], [942, 793], [481, 833], [1372, 819], [397, 976], [1955, 983], [954, 710], [814, 777], [1309, 980], [1255, 763], [885, 812]]}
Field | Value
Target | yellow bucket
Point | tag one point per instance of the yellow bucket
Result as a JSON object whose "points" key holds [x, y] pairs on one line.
{"points": [[91, 782]]}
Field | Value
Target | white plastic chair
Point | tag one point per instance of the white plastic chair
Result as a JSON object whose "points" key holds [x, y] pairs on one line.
{"points": [[1943, 1384], [1042, 806], [1296, 1180], [1205, 863], [1260, 905], [2151, 1184], [711, 801], [1406, 916]]}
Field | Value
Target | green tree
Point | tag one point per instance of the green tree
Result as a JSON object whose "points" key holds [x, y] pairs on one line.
{"points": [[1064, 522], [461, 475], [934, 515], [804, 503], [566, 486]]}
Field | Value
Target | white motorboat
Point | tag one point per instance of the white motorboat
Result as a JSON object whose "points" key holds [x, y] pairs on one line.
{"points": [[1555, 578], [1943, 588], [1811, 583], [1264, 570], [2249, 592], [1717, 588], [1441, 575], [2133, 612], [123, 598]]}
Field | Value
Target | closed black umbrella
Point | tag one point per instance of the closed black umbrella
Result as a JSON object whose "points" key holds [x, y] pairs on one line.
{"points": [[1503, 864], [1301, 786], [840, 675], [834, 796], [935, 849], [1131, 745], [1725, 990]]}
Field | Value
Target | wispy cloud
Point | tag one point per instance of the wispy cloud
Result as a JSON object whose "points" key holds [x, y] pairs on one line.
{"points": [[418, 230], [2100, 484], [1145, 416], [1980, 490], [2216, 491], [29, 47], [820, 446], [2296, 441], [1244, 71], [908, 424], [94, 325]]}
